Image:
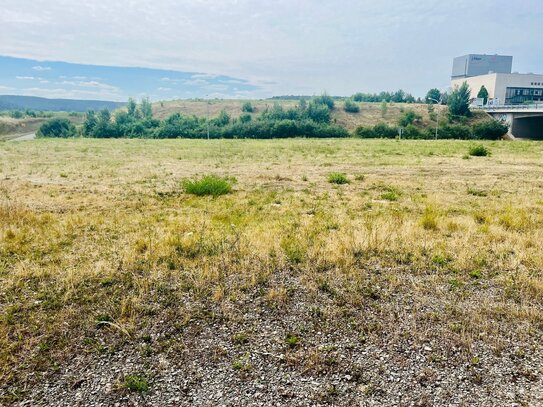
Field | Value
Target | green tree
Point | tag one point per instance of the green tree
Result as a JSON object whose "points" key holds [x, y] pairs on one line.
{"points": [[222, 120], [325, 99], [433, 94], [90, 123], [131, 107], [459, 101], [483, 94], [146, 108]]}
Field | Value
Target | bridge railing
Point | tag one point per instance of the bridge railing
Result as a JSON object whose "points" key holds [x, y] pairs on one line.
{"points": [[508, 107]]}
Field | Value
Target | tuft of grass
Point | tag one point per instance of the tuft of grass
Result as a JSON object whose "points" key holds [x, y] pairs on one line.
{"points": [[292, 340], [338, 178], [359, 177], [479, 151], [429, 219], [391, 194], [477, 192], [212, 185], [136, 383]]}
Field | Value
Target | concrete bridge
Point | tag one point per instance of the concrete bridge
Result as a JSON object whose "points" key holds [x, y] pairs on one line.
{"points": [[525, 121]]}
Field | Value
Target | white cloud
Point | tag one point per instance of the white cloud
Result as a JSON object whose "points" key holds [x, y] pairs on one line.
{"points": [[302, 46], [26, 78], [41, 68], [90, 84]]}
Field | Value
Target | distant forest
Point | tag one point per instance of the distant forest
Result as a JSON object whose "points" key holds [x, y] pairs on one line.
{"points": [[13, 102]]}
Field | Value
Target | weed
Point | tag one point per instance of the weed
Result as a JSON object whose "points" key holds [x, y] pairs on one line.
{"points": [[359, 177], [240, 338], [477, 192], [136, 383], [391, 194], [242, 364], [338, 178], [292, 340]]}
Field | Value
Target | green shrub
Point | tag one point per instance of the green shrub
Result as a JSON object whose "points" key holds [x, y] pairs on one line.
{"points": [[411, 132], [325, 99], [452, 131], [338, 178], [409, 117], [364, 132], [245, 118], [479, 151], [383, 130], [351, 107], [57, 127], [209, 185], [490, 129], [247, 107]]}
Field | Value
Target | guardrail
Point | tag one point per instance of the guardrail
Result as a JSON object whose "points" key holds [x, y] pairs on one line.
{"points": [[509, 107]]}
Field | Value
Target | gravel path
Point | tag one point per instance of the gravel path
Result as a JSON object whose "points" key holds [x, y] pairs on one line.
{"points": [[25, 137]]}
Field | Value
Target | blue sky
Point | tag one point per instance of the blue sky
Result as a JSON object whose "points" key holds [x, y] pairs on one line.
{"points": [[65, 80], [254, 48]]}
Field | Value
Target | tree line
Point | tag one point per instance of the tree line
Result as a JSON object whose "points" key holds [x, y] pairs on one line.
{"points": [[309, 118]]}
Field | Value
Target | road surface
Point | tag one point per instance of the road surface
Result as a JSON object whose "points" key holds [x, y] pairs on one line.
{"points": [[29, 136]]}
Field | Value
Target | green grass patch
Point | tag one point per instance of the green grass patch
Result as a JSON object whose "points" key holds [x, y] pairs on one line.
{"points": [[136, 383], [338, 178], [209, 185]]}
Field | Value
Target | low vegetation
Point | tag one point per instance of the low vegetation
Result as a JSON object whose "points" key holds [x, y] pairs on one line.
{"points": [[479, 151], [208, 185], [105, 259]]}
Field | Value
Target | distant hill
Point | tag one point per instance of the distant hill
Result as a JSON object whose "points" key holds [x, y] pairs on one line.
{"points": [[12, 102]]}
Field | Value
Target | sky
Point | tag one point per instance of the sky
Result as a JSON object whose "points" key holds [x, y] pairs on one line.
{"points": [[254, 48]]}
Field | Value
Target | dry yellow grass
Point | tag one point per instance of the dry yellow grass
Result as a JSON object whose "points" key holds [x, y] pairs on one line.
{"points": [[97, 236]]}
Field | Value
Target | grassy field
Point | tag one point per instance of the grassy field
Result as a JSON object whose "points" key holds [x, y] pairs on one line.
{"points": [[425, 251]]}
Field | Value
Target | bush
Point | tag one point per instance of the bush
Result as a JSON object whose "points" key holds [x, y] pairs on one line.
{"points": [[490, 129], [326, 100], [452, 131], [209, 185], [247, 107], [364, 132], [383, 130], [479, 151], [338, 178], [351, 107], [57, 128], [409, 117], [245, 118], [411, 132], [319, 113]]}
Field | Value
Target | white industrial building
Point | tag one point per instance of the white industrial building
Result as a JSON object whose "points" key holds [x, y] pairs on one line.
{"points": [[494, 73]]}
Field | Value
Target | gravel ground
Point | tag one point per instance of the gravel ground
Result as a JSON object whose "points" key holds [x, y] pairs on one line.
{"points": [[207, 362]]}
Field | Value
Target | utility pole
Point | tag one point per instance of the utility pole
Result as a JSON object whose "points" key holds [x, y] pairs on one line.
{"points": [[437, 117]]}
